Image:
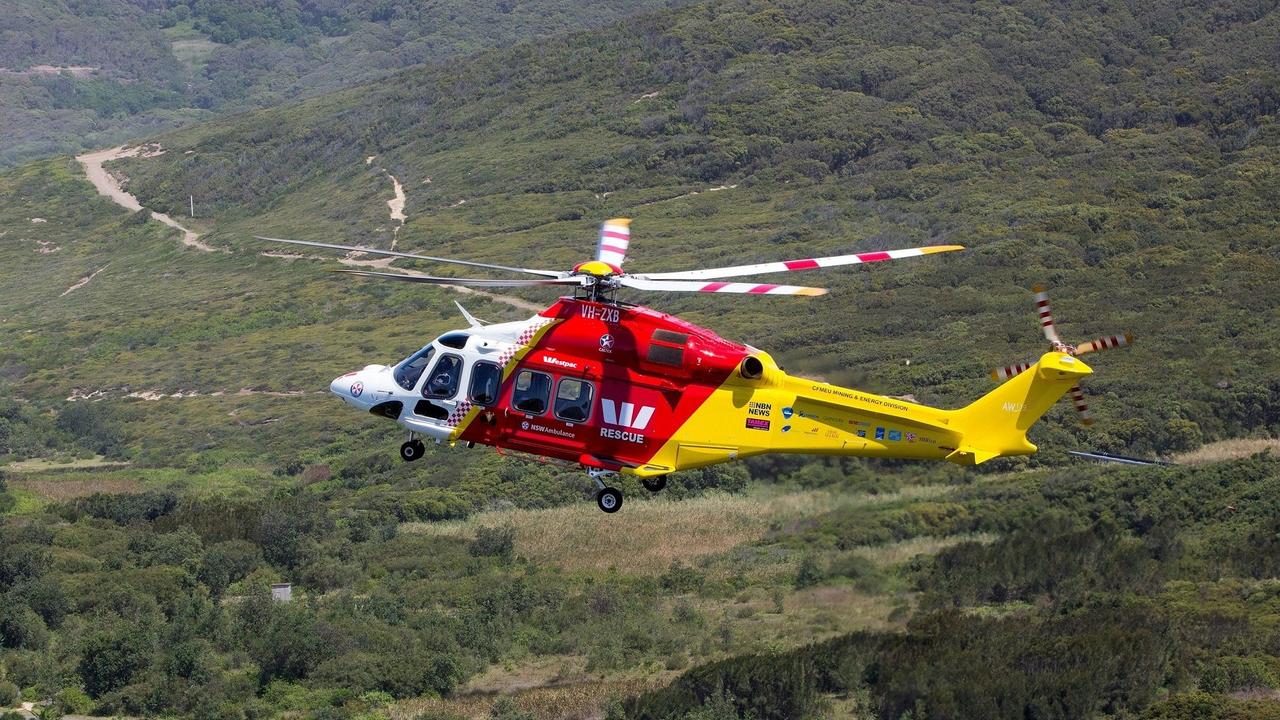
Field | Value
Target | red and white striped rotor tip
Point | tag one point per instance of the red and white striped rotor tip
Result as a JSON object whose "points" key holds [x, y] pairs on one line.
{"points": [[1109, 342], [1046, 315], [615, 238], [1010, 371], [1077, 397]]}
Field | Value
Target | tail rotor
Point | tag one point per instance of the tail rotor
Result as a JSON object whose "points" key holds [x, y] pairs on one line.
{"points": [[1050, 330]]}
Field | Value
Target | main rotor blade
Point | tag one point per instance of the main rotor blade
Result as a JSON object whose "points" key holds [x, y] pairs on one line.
{"points": [[392, 253], [615, 237], [1046, 315], [717, 287], [808, 264], [1105, 343], [469, 282]]}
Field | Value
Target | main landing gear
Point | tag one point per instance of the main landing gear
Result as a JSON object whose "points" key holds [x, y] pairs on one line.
{"points": [[608, 499], [412, 449]]}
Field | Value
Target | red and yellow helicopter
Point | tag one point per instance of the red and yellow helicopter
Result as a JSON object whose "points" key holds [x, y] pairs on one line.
{"points": [[620, 388]]}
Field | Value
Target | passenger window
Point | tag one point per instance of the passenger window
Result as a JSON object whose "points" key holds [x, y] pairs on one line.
{"points": [[531, 393], [408, 372], [486, 378], [444, 377], [573, 400]]}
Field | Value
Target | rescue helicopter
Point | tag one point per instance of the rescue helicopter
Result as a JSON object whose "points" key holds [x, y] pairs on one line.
{"points": [[620, 388]]}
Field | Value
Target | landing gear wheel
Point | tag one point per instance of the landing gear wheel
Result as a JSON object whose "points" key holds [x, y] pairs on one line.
{"points": [[654, 484], [412, 450], [609, 499]]}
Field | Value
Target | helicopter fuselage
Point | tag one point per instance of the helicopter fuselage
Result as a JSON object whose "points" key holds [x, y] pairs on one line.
{"points": [[616, 387]]}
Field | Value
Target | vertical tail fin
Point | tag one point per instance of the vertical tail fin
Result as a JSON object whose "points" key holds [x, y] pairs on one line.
{"points": [[996, 424]]}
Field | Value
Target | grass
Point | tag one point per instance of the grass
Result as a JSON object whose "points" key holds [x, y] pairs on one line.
{"points": [[42, 464], [574, 701], [1228, 450], [72, 487], [645, 538], [899, 552]]}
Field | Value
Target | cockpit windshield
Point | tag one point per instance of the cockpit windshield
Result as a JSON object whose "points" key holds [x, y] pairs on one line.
{"points": [[408, 372]]}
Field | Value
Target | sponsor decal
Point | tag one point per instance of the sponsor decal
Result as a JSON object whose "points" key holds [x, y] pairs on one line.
{"points": [[868, 399], [535, 427], [549, 360], [757, 424], [911, 437], [623, 435], [786, 428], [787, 412], [1012, 407], [879, 433], [759, 409], [862, 433], [357, 389], [606, 343], [625, 414], [895, 435]]}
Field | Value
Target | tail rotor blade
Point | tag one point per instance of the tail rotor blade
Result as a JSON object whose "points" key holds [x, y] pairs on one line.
{"points": [[805, 264], [1010, 371], [615, 237], [1077, 397], [717, 287], [1046, 315], [1105, 343]]}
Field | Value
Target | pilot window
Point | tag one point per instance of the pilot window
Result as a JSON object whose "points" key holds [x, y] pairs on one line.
{"points": [[442, 382], [531, 392], [486, 378], [408, 372], [573, 400]]}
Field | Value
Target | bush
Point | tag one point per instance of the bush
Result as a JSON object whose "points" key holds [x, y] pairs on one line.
{"points": [[1232, 674], [499, 542], [9, 694]]}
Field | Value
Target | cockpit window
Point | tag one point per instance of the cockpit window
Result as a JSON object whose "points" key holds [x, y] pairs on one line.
{"points": [[457, 341], [531, 393], [408, 372], [573, 400], [486, 379], [444, 377]]}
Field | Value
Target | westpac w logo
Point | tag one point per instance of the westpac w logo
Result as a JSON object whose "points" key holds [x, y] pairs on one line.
{"points": [[624, 414]]}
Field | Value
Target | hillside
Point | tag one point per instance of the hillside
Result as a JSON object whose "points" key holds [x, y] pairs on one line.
{"points": [[170, 448], [75, 76], [1127, 162]]}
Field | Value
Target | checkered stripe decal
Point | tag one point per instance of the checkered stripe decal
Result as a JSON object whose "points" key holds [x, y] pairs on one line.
{"points": [[525, 337]]}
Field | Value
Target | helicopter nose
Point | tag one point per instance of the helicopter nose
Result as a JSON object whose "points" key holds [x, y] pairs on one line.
{"points": [[349, 387]]}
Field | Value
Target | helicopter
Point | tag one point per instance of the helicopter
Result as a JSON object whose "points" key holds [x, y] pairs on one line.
{"points": [[618, 388]]}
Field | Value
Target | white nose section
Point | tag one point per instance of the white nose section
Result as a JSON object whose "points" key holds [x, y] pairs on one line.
{"points": [[349, 387]]}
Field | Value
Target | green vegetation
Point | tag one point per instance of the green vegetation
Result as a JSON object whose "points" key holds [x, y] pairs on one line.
{"points": [[1113, 593], [77, 76], [171, 451]]}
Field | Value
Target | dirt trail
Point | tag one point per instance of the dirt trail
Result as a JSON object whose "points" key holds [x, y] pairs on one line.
{"points": [[108, 186], [82, 282]]}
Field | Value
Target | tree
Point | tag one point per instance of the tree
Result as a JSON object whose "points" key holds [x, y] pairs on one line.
{"points": [[113, 653]]}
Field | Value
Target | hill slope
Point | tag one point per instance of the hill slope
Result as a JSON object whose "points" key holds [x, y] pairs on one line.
{"points": [[1126, 159], [84, 75]]}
